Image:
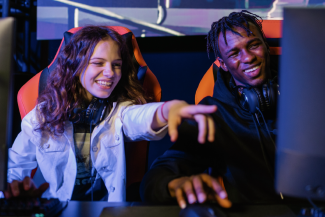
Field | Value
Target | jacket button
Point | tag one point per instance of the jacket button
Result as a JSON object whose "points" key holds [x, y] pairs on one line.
{"points": [[117, 137], [94, 148], [47, 146]]}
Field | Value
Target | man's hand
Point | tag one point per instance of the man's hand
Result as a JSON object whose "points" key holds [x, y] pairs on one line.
{"points": [[198, 188], [25, 188]]}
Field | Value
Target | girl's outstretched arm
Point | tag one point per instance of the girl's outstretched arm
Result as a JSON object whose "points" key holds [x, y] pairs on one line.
{"points": [[172, 112]]}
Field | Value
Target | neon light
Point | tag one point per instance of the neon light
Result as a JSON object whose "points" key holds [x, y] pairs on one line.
{"points": [[76, 17], [167, 3], [272, 10]]}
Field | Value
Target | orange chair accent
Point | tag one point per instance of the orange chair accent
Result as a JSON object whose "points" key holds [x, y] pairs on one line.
{"points": [[272, 30], [136, 154]]}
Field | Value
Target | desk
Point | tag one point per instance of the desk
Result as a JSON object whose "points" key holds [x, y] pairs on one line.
{"points": [[94, 209], [87, 209]]}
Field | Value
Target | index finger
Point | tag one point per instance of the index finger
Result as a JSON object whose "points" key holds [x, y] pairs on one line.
{"points": [[215, 185], [221, 195], [41, 189], [199, 109], [202, 126], [211, 129], [27, 183], [199, 190], [173, 123]]}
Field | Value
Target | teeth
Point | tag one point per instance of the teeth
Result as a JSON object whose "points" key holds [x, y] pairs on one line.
{"points": [[250, 70], [104, 83]]}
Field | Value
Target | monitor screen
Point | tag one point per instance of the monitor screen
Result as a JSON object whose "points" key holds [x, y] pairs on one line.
{"points": [[7, 40], [300, 161]]}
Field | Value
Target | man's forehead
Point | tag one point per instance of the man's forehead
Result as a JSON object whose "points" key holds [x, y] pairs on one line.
{"points": [[231, 35]]}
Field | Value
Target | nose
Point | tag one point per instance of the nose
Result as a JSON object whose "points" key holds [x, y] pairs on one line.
{"points": [[248, 56], [108, 70]]}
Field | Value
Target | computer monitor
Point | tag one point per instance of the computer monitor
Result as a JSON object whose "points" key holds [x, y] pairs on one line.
{"points": [[300, 159], [7, 41]]}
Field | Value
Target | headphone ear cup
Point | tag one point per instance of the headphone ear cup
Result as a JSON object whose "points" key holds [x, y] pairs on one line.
{"points": [[76, 115], [266, 95], [272, 92], [260, 98], [89, 111], [96, 111], [92, 115], [249, 100], [264, 98]]}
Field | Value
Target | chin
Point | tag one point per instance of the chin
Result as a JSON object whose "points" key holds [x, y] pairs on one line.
{"points": [[259, 81], [101, 96]]}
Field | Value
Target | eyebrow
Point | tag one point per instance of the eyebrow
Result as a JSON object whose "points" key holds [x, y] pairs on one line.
{"points": [[249, 42], [98, 58]]}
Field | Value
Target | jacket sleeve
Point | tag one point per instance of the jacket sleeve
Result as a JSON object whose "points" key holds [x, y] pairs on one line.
{"points": [[22, 154], [137, 121], [185, 158]]}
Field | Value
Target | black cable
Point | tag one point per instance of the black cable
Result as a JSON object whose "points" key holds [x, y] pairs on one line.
{"points": [[263, 150], [90, 165], [316, 211], [267, 129], [92, 169], [312, 203]]}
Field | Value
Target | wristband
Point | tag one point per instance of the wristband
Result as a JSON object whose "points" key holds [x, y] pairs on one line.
{"points": [[161, 110]]}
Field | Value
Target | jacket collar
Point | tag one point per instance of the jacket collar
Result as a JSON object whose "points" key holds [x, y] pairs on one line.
{"points": [[222, 90]]}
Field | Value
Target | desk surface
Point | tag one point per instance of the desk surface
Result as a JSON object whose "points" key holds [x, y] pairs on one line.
{"points": [[95, 209]]}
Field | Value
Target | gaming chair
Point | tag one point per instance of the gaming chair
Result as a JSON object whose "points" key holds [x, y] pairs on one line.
{"points": [[272, 31], [136, 153]]}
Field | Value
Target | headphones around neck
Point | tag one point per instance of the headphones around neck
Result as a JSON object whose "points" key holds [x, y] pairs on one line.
{"points": [[92, 115], [262, 98]]}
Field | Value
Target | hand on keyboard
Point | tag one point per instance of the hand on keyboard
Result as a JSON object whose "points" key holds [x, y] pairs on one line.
{"points": [[22, 207], [22, 198], [25, 188]]}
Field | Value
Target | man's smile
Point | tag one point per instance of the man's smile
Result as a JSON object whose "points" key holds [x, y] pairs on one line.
{"points": [[253, 71]]}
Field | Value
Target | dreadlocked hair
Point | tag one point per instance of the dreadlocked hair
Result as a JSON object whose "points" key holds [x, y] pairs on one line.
{"points": [[239, 19]]}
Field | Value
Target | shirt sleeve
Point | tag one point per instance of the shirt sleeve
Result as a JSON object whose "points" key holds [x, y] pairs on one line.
{"points": [[137, 120], [22, 154]]}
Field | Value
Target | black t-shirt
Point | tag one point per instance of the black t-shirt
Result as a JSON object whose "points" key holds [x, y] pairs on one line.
{"points": [[88, 180]]}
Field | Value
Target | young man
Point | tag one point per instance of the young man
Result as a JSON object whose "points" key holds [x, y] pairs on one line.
{"points": [[243, 151]]}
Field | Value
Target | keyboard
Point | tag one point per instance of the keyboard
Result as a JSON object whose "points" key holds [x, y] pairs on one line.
{"points": [[35, 207]]}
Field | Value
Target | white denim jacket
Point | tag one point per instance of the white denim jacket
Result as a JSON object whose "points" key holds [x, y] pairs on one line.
{"points": [[56, 157]]}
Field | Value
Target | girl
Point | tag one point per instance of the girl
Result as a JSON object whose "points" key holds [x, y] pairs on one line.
{"points": [[92, 103]]}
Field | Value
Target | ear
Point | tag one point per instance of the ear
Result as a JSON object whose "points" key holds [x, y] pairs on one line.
{"points": [[222, 64]]}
